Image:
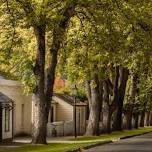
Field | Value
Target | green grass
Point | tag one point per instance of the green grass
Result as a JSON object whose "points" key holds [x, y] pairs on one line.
{"points": [[113, 135], [66, 147], [44, 148]]}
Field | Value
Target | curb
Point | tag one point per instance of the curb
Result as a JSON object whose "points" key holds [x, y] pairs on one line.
{"points": [[103, 143], [135, 135], [90, 146]]}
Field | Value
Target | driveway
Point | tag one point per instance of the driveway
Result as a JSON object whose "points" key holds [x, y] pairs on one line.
{"points": [[141, 143]]}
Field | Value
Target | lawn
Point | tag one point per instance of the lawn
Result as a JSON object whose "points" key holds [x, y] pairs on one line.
{"points": [[86, 141], [114, 135], [44, 148]]}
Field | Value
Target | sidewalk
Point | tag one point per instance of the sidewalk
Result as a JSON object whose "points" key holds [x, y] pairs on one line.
{"points": [[62, 140], [114, 136]]}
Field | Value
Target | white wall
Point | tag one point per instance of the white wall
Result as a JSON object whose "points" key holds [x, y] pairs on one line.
{"points": [[64, 111], [64, 124], [14, 90]]}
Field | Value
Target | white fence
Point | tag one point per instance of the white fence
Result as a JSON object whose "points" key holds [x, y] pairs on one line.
{"points": [[61, 128]]}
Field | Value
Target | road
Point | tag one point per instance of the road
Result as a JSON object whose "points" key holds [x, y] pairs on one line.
{"points": [[141, 143]]}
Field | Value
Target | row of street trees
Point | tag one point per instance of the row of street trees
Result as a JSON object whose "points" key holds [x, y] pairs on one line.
{"points": [[105, 45]]}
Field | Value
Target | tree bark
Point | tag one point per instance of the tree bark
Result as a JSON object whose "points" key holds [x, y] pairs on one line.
{"points": [[44, 87], [109, 120], [136, 117], [133, 91], [107, 107], [142, 120], [93, 122], [117, 124], [148, 119], [129, 118], [39, 120], [88, 92]]}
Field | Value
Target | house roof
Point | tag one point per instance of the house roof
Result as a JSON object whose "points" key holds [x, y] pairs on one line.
{"points": [[4, 99], [69, 99], [6, 82]]}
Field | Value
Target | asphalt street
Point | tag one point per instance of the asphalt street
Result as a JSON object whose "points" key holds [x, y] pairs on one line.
{"points": [[141, 143]]}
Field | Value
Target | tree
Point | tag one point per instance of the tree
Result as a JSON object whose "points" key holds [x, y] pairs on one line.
{"points": [[36, 15]]}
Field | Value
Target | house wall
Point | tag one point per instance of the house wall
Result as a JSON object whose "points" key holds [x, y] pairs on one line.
{"points": [[64, 121], [8, 134], [22, 109], [64, 111], [66, 128]]}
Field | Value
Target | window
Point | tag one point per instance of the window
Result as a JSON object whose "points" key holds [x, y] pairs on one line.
{"points": [[7, 120], [22, 115]]}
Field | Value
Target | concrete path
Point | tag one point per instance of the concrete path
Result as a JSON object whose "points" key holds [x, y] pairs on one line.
{"points": [[27, 140], [141, 143]]}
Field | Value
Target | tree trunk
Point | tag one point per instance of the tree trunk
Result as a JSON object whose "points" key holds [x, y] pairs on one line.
{"points": [[39, 120], [142, 120], [109, 120], [101, 82], [129, 119], [117, 125], [107, 107], [88, 92], [133, 91], [93, 122], [148, 119], [136, 120], [44, 87]]}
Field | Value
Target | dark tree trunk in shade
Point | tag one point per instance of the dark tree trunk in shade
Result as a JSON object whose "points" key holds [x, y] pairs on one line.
{"points": [[129, 119], [136, 118], [117, 124], [148, 119], [142, 119], [133, 92], [93, 122], [109, 120]]}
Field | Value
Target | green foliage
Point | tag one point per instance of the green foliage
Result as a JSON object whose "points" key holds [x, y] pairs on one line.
{"points": [[101, 34], [79, 93]]}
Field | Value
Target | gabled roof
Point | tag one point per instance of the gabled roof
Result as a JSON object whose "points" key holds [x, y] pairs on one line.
{"points": [[70, 100]]}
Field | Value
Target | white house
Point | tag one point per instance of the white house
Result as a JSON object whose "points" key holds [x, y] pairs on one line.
{"points": [[6, 118], [61, 117], [22, 106]]}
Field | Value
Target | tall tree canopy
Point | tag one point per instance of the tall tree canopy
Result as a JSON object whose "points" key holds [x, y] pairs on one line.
{"points": [[98, 43]]}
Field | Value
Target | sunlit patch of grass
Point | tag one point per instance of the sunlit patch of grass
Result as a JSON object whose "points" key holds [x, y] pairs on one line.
{"points": [[114, 135]]}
